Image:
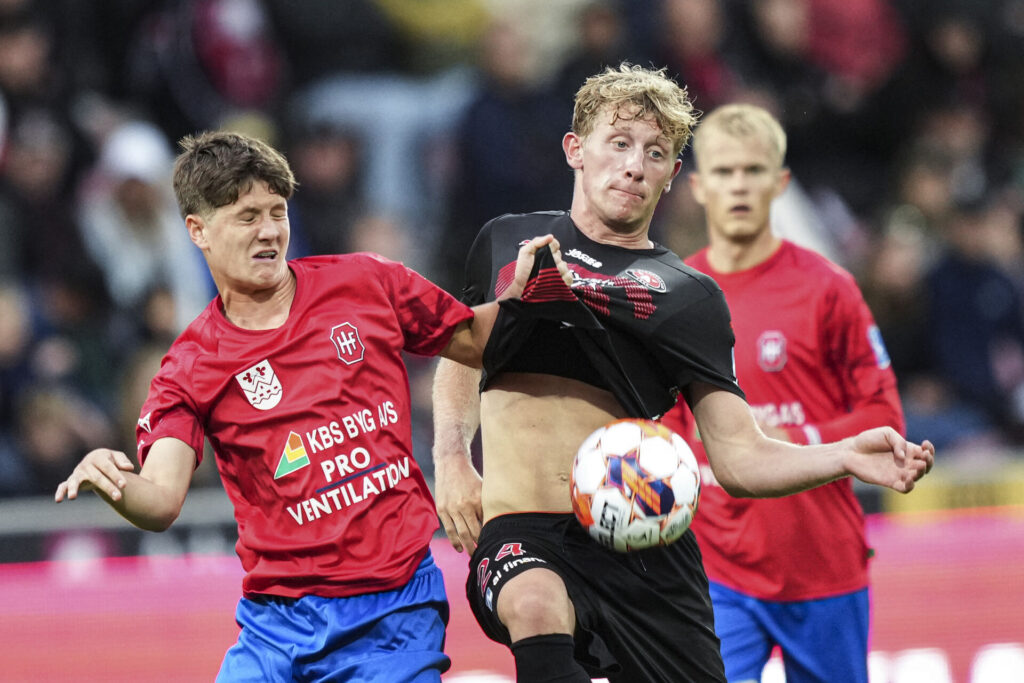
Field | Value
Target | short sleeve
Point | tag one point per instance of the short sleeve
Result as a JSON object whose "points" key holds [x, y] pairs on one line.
{"points": [[699, 344], [169, 410], [478, 276], [427, 314]]}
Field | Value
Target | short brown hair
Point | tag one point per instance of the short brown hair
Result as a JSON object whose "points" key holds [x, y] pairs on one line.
{"points": [[214, 168], [649, 90], [742, 121]]}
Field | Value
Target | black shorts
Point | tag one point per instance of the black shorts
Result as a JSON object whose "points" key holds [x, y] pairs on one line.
{"points": [[642, 616]]}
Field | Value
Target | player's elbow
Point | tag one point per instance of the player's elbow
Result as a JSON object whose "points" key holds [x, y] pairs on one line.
{"points": [[737, 489]]}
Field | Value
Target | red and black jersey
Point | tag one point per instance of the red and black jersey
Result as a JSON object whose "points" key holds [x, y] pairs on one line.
{"points": [[811, 361], [636, 321], [310, 424]]}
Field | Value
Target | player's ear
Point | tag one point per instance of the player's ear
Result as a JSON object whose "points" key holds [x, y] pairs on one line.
{"points": [[697, 187], [572, 145], [785, 175], [196, 230]]}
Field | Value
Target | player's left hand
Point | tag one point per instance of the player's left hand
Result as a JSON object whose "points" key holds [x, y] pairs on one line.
{"points": [[525, 261], [882, 456]]}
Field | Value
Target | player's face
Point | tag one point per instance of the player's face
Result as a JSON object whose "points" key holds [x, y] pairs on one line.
{"points": [[624, 166], [737, 179], [245, 242]]}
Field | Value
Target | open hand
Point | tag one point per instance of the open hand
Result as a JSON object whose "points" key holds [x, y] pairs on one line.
{"points": [[102, 469]]}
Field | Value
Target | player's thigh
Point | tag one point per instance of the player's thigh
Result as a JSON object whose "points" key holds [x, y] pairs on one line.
{"points": [[535, 602], [746, 644], [825, 641], [405, 646], [265, 647]]}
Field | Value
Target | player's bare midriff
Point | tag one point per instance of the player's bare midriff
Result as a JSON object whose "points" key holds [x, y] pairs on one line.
{"points": [[531, 426]]}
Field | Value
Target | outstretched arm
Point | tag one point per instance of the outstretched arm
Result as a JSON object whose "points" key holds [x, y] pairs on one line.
{"points": [[749, 464], [151, 499], [457, 484], [467, 343]]}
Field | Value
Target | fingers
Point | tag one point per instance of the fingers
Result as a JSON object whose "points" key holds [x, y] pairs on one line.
{"points": [[929, 454], [102, 470], [462, 532], [452, 532], [563, 268]]}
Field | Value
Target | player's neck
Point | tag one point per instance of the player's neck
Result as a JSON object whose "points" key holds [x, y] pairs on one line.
{"points": [[596, 230], [264, 310], [727, 255]]}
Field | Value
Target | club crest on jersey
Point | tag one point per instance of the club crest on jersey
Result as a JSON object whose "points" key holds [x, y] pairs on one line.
{"points": [[771, 351], [261, 385], [346, 340], [647, 279]]}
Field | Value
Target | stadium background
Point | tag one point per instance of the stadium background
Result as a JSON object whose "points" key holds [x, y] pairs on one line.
{"points": [[409, 123]]}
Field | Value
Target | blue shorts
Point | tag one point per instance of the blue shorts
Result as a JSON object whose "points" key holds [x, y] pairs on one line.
{"points": [[822, 641], [388, 637]]}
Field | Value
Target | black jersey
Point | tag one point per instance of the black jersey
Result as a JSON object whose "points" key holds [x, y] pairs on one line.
{"points": [[638, 322]]}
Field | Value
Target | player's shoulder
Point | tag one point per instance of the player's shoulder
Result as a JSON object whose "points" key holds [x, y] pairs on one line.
{"points": [[201, 338], [334, 270], [691, 270], [817, 267], [529, 225], [327, 262]]}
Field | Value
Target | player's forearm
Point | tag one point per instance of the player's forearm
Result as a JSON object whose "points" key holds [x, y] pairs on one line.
{"points": [[768, 468], [469, 339], [456, 402], [145, 504]]}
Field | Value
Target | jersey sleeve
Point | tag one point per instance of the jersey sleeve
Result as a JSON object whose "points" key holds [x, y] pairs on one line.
{"points": [[476, 287], [854, 348], [699, 345], [426, 313], [169, 410]]}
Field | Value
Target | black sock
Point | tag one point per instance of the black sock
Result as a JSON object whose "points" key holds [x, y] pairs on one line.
{"points": [[547, 659]]}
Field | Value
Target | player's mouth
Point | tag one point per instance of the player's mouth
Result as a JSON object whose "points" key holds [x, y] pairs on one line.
{"points": [[629, 193], [266, 255], [740, 210]]}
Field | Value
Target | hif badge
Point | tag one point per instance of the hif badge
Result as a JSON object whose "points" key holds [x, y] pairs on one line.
{"points": [[771, 351], [261, 386]]}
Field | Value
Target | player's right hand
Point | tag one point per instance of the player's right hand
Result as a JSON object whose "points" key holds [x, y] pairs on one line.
{"points": [[457, 487], [102, 469]]}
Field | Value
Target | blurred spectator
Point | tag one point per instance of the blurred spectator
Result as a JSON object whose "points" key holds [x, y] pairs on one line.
{"points": [[329, 37], [29, 74], [197, 63], [694, 45], [15, 374], [131, 226], [603, 42], [976, 322], [404, 124], [327, 161], [950, 60], [55, 426], [437, 34], [508, 153], [37, 224]]}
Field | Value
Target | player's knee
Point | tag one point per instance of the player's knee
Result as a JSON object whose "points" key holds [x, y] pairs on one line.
{"points": [[535, 603]]}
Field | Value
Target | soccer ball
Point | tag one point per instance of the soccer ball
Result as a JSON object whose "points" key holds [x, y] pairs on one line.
{"points": [[635, 484]]}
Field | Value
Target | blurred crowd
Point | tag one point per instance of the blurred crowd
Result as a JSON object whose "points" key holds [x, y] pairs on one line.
{"points": [[409, 123]]}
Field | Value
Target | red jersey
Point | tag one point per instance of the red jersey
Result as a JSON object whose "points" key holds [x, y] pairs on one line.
{"points": [[310, 425], [811, 360]]}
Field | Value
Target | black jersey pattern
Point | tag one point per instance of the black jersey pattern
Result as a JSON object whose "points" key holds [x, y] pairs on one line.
{"points": [[646, 323]]}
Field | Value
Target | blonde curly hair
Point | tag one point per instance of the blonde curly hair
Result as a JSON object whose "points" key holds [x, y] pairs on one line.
{"points": [[647, 92]]}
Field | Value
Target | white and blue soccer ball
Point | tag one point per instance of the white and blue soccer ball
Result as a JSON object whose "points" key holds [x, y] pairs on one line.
{"points": [[635, 485]]}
